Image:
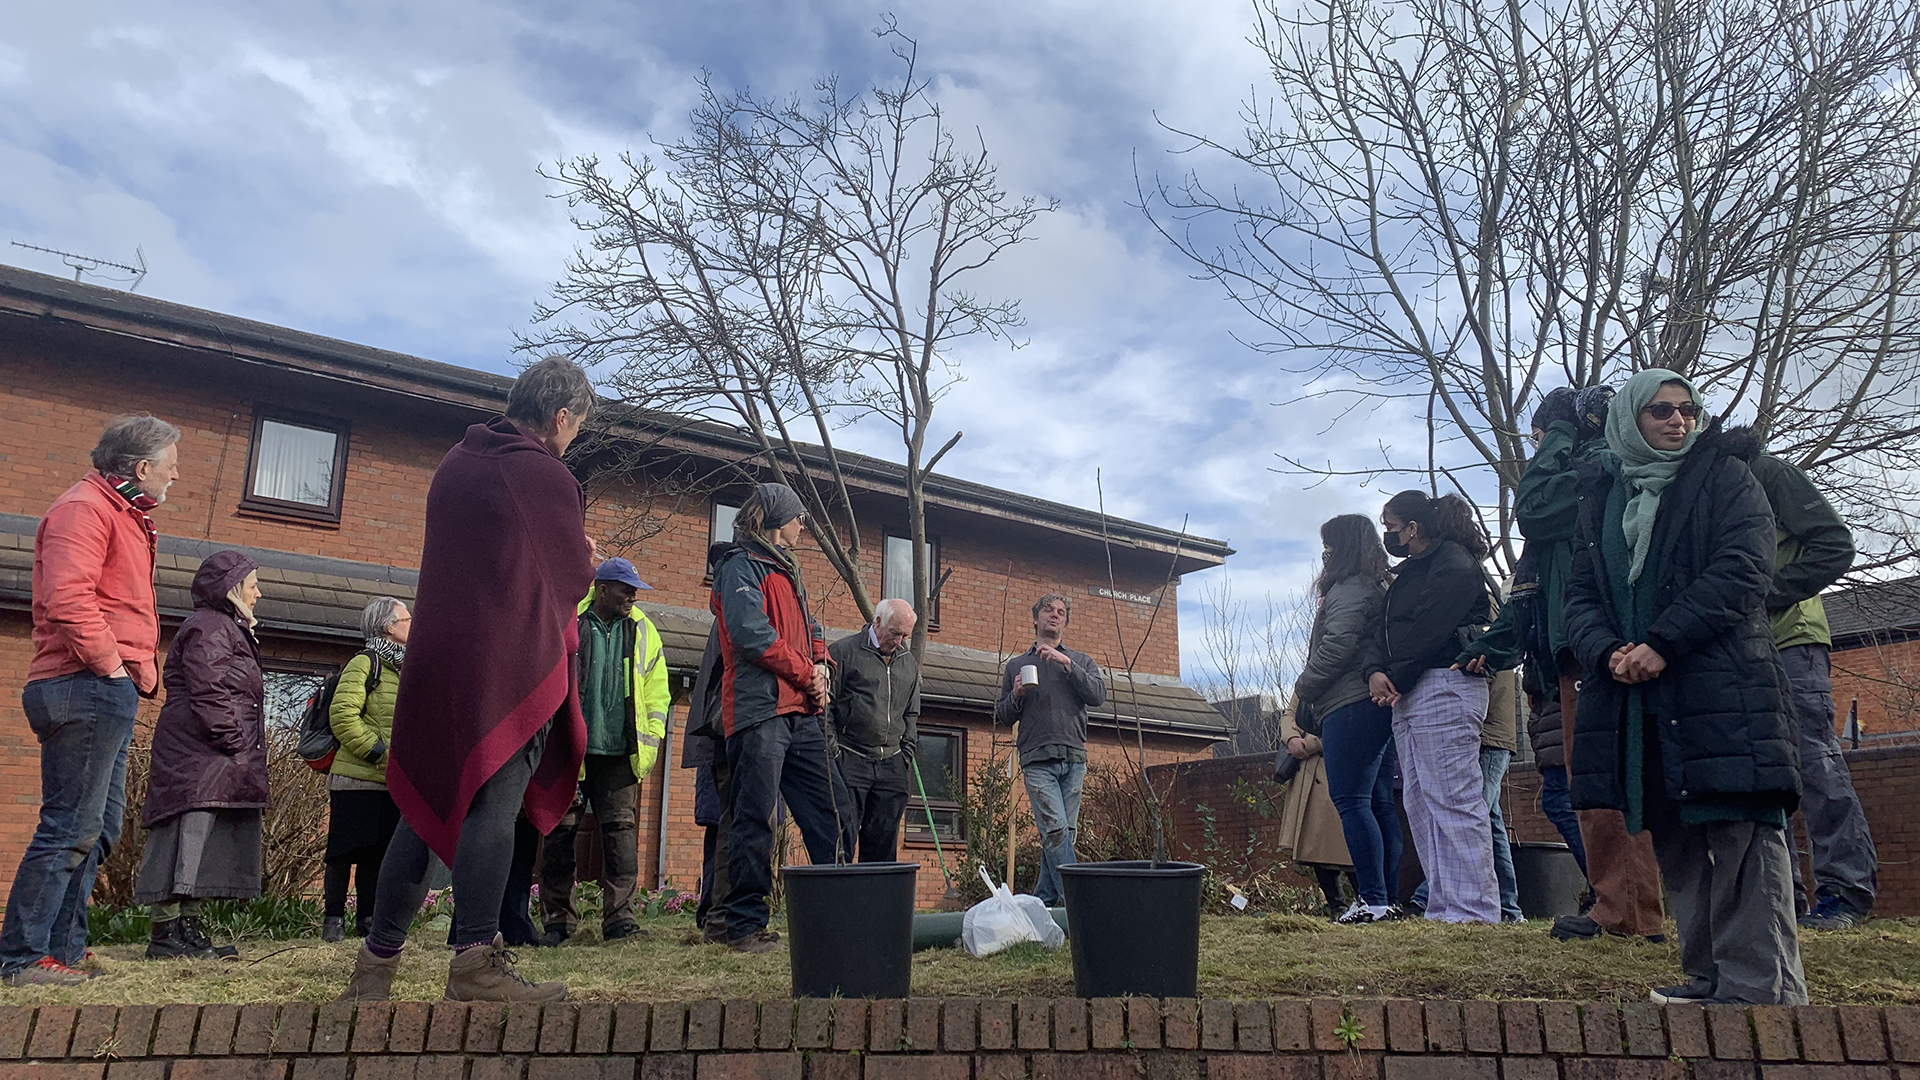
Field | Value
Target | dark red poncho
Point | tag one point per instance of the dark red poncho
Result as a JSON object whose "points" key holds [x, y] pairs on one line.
{"points": [[490, 656]]}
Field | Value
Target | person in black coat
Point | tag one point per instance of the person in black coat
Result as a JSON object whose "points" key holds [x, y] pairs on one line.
{"points": [[1439, 712], [1685, 703], [207, 774]]}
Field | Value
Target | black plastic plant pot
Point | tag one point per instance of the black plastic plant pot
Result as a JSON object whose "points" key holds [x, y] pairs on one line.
{"points": [[1135, 928], [1549, 879], [850, 929]]}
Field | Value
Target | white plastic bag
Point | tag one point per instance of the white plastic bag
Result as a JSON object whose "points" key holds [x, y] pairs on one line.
{"points": [[1003, 920]]}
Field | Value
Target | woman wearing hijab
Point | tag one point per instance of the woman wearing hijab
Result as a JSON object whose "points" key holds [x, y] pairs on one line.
{"points": [[1439, 590], [1684, 702], [207, 782], [773, 691]]}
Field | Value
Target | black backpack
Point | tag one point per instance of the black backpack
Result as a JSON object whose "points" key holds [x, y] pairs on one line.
{"points": [[317, 744]]}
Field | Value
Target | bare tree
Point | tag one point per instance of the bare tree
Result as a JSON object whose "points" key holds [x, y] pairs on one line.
{"points": [[1246, 655], [791, 267], [1467, 204]]}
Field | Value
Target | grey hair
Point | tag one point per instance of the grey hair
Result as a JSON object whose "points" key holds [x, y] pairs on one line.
{"points": [[892, 607], [546, 387], [379, 616], [1065, 601], [130, 439]]}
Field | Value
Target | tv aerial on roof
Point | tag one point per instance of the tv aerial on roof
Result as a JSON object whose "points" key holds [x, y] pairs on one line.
{"points": [[87, 264]]}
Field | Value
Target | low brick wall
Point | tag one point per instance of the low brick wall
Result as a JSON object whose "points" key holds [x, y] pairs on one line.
{"points": [[962, 1039]]}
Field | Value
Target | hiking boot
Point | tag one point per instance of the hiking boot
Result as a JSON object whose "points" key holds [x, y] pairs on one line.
{"points": [[372, 976], [485, 973], [169, 940], [622, 929], [333, 928], [757, 942], [195, 931], [1831, 913], [1695, 992], [45, 971], [555, 937]]}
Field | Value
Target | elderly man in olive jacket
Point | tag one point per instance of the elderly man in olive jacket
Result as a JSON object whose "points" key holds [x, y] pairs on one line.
{"points": [[874, 719]]}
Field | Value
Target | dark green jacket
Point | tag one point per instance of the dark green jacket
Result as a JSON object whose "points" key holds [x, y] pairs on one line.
{"points": [[1546, 506], [1815, 548]]}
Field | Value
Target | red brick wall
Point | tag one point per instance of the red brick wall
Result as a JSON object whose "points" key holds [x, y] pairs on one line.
{"points": [[1885, 681]]}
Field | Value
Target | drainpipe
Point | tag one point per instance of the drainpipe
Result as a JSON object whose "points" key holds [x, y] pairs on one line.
{"points": [[665, 765]]}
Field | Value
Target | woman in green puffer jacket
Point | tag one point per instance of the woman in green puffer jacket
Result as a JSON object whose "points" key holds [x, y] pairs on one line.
{"points": [[361, 816]]}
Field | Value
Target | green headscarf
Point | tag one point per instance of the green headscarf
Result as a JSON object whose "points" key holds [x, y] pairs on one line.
{"points": [[1646, 471]]}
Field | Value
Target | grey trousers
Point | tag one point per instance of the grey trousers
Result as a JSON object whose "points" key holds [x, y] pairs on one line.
{"points": [[1845, 865], [1730, 893]]}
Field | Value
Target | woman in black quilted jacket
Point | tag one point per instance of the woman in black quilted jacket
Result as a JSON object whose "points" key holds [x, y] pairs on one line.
{"points": [[1685, 702]]}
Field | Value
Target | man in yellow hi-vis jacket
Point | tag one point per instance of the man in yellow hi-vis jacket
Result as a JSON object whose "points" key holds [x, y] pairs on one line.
{"points": [[624, 697]]}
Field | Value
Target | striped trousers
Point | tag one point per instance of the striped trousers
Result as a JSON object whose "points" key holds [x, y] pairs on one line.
{"points": [[1436, 729]]}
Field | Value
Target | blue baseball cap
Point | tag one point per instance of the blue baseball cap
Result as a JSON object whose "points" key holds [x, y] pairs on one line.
{"points": [[619, 570]]}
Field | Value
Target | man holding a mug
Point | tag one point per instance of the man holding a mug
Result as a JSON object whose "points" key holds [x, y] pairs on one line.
{"points": [[1047, 691]]}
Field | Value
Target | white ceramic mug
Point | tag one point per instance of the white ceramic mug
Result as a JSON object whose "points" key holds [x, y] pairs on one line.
{"points": [[1030, 675]]}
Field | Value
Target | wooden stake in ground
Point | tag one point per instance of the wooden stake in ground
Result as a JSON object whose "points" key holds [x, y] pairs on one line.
{"points": [[1013, 818]]}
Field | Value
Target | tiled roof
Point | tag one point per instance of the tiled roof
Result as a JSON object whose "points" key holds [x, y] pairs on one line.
{"points": [[1887, 607]]}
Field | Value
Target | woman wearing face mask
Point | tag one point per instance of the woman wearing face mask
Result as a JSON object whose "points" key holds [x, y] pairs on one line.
{"points": [[1438, 590], [207, 781], [1685, 701]]}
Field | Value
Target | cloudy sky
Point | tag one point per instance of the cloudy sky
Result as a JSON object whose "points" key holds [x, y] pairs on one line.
{"points": [[368, 172]]}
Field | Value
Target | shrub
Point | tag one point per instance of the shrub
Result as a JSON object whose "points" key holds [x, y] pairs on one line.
{"points": [[293, 831]]}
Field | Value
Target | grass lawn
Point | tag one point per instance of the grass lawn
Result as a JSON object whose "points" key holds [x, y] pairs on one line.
{"points": [[1240, 957]]}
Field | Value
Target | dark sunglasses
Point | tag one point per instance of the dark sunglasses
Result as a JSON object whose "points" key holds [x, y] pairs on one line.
{"points": [[1664, 410]]}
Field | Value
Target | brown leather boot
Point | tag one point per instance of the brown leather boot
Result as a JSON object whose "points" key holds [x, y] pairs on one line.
{"points": [[485, 973], [372, 976]]}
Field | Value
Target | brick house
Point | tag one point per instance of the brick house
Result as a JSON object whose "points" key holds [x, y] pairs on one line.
{"points": [[1876, 661], [313, 455]]}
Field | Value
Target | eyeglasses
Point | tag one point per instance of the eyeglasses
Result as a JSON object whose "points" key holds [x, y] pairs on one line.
{"points": [[1664, 410]]}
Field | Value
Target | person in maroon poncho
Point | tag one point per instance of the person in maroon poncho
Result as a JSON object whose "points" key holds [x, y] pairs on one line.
{"points": [[488, 716]]}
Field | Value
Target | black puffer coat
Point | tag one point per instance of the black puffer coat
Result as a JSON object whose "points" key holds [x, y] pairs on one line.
{"points": [[1721, 703], [1332, 677], [209, 745]]}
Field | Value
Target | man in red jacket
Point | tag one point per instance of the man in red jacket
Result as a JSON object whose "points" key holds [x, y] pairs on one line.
{"points": [[95, 632]]}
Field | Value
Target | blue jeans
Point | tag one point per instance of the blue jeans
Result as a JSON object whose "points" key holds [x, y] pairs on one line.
{"points": [[1356, 745], [1053, 790], [1493, 762], [84, 723], [1556, 802]]}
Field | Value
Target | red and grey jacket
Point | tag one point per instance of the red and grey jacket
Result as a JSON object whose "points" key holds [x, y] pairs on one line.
{"points": [[768, 642]]}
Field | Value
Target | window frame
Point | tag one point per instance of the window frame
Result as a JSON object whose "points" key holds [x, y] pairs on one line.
{"points": [[271, 666], [329, 514], [916, 813], [933, 574]]}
